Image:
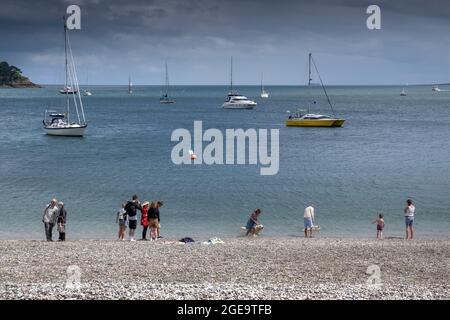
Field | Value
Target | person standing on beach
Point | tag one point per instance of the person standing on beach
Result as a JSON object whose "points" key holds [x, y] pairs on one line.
{"points": [[253, 222], [131, 211], [144, 220], [409, 218], [380, 226], [121, 219], [308, 220], [49, 218], [153, 215], [159, 204], [61, 221]]}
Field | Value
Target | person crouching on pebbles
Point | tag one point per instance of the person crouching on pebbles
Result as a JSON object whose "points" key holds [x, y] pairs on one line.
{"points": [[121, 219], [131, 210], [61, 221], [380, 226], [49, 218], [253, 222], [308, 220], [144, 220]]}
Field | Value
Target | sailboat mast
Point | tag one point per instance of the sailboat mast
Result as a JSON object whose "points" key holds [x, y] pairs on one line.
{"points": [[66, 65], [231, 75], [309, 82], [262, 88], [167, 81]]}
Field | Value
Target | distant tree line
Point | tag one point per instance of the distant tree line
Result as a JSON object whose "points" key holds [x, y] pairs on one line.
{"points": [[9, 73]]}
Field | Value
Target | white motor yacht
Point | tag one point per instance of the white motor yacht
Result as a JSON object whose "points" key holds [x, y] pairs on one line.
{"points": [[237, 101]]}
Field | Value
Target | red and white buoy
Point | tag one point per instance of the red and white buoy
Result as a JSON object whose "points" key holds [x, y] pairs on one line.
{"points": [[192, 154]]}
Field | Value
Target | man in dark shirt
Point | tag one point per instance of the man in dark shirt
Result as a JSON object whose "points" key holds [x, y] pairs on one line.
{"points": [[61, 221], [159, 204], [131, 211]]}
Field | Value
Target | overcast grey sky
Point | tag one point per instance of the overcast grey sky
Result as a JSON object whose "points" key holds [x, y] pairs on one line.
{"points": [[197, 38]]}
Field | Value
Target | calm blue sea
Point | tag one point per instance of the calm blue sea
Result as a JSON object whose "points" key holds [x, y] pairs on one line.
{"points": [[390, 149]]}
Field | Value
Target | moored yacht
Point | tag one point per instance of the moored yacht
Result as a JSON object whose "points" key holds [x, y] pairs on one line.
{"points": [[235, 100], [436, 89], [304, 118], [66, 124], [68, 90], [301, 119]]}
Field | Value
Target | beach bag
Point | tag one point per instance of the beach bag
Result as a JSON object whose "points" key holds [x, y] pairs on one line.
{"points": [[61, 228], [187, 240]]}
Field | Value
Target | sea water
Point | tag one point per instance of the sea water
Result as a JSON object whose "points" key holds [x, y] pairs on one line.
{"points": [[390, 148]]}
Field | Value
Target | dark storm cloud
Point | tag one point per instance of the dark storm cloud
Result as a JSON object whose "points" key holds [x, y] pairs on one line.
{"points": [[198, 36]]}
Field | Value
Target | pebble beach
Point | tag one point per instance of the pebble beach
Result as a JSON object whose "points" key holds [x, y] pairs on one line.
{"points": [[239, 268]]}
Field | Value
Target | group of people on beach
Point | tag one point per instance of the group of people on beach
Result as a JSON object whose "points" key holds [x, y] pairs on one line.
{"points": [[55, 213], [253, 226], [127, 217], [408, 212]]}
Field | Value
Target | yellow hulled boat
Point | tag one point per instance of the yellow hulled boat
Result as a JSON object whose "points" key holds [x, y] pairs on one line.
{"points": [[307, 119], [314, 120]]}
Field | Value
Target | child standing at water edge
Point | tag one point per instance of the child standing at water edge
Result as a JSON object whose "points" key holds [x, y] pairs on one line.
{"points": [[380, 226], [121, 219]]}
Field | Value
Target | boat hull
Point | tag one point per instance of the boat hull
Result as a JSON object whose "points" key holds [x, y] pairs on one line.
{"points": [[166, 101], [238, 106], [75, 131], [315, 123]]}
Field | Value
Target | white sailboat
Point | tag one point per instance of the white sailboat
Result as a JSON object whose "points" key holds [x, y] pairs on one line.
{"points": [[235, 100], [436, 88], [307, 119], [403, 92], [87, 92], [130, 85], [64, 124], [264, 93], [165, 96]]}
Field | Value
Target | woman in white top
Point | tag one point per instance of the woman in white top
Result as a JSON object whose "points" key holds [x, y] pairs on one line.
{"points": [[308, 218], [409, 218]]}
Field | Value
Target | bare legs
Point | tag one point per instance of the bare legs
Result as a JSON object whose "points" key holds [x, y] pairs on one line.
{"points": [[409, 233], [306, 232]]}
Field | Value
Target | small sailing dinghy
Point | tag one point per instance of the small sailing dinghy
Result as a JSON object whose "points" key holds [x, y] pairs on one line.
{"points": [[64, 124], [264, 93], [130, 86], [87, 92], [165, 96], [435, 88], [304, 118], [403, 93]]}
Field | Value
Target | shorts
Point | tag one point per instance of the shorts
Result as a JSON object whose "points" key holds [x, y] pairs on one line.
{"points": [[308, 223], [409, 221], [379, 228], [122, 222], [132, 224], [250, 224], [153, 223]]}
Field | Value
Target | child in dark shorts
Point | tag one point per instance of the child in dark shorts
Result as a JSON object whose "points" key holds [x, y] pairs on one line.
{"points": [[380, 226]]}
